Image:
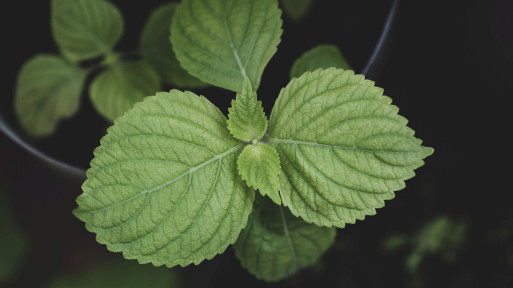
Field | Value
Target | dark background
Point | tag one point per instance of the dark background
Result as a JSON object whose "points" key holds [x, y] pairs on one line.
{"points": [[449, 68]]}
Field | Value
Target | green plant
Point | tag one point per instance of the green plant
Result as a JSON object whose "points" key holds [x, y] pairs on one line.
{"points": [[173, 181], [50, 86]]}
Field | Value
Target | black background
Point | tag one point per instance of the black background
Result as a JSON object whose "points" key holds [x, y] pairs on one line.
{"points": [[448, 68]]}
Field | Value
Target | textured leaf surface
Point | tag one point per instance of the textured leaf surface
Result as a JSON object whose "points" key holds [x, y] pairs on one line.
{"points": [[156, 49], [342, 146], [85, 28], [276, 244], [163, 186], [13, 243], [322, 56], [47, 91], [259, 166], [296, 9], [126, 274], [221, 42], [116, 90], [246, 118]]}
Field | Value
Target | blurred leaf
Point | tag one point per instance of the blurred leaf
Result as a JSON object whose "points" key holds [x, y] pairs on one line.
{"points": [[85, 28], [47, 91], [156, 49], [322, 56], [122, 273], [118, 88], [12, 241], [296, 9], [276, 244]]}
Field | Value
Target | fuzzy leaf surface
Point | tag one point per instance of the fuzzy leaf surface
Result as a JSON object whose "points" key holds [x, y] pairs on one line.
{"points": [[163, 186], [259, 166], [276, 244], [343, 148], [85, 29], [322, 56], [156, 49], [116, 89], [48, 90], [246, 118], [221, 42]]}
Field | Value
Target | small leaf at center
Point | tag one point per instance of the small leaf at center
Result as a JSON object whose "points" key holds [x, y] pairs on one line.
{"points": [[259, 166], [246, 118]]}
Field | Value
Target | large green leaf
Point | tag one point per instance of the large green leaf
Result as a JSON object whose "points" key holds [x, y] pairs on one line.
{"points": [[322, 56], [85, 28], [276, 244], [224, 41], [342, 146], [259, 166], [246, 118], [47, 91], [120, 273], [156, 49], [116, 90], [163, 186]]}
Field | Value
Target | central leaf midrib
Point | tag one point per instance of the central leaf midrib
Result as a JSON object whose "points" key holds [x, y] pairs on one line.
{"points": [[232, 46], [287, 235]]}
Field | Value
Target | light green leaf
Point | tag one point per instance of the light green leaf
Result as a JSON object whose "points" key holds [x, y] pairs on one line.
{"points": [[85, 29], [156, 49], [276, 244], [342, 146], [116, 90], [13, 243], [126, 274], [48, 90], [296, 9], [259, 166], [246, 118], [163, 186], [221, 42], [322, 56]]}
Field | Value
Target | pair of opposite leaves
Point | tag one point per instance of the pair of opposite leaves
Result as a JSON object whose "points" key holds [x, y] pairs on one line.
{"points": [[164, 186]]}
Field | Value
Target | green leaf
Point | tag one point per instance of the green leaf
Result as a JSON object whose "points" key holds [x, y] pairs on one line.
{"points": [[48, 90], [221, 42], [296, 9], [156, 49], [85, 29], [259, 166], [126, 274], [342, 146], [163, 186], [246, 118], [322, 56], [13, 243], [116, 90], [275, 244]]}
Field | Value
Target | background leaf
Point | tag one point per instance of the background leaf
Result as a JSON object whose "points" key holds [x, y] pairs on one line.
{"points": [[246, 118], [221, 42], [322, 56], [276, 244], [116, 90], [13, 243], [85, 29], [296, 9], [48, 90], [163, 186], [121, 273], [343, 148], [259, 166], [156, 49]]}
